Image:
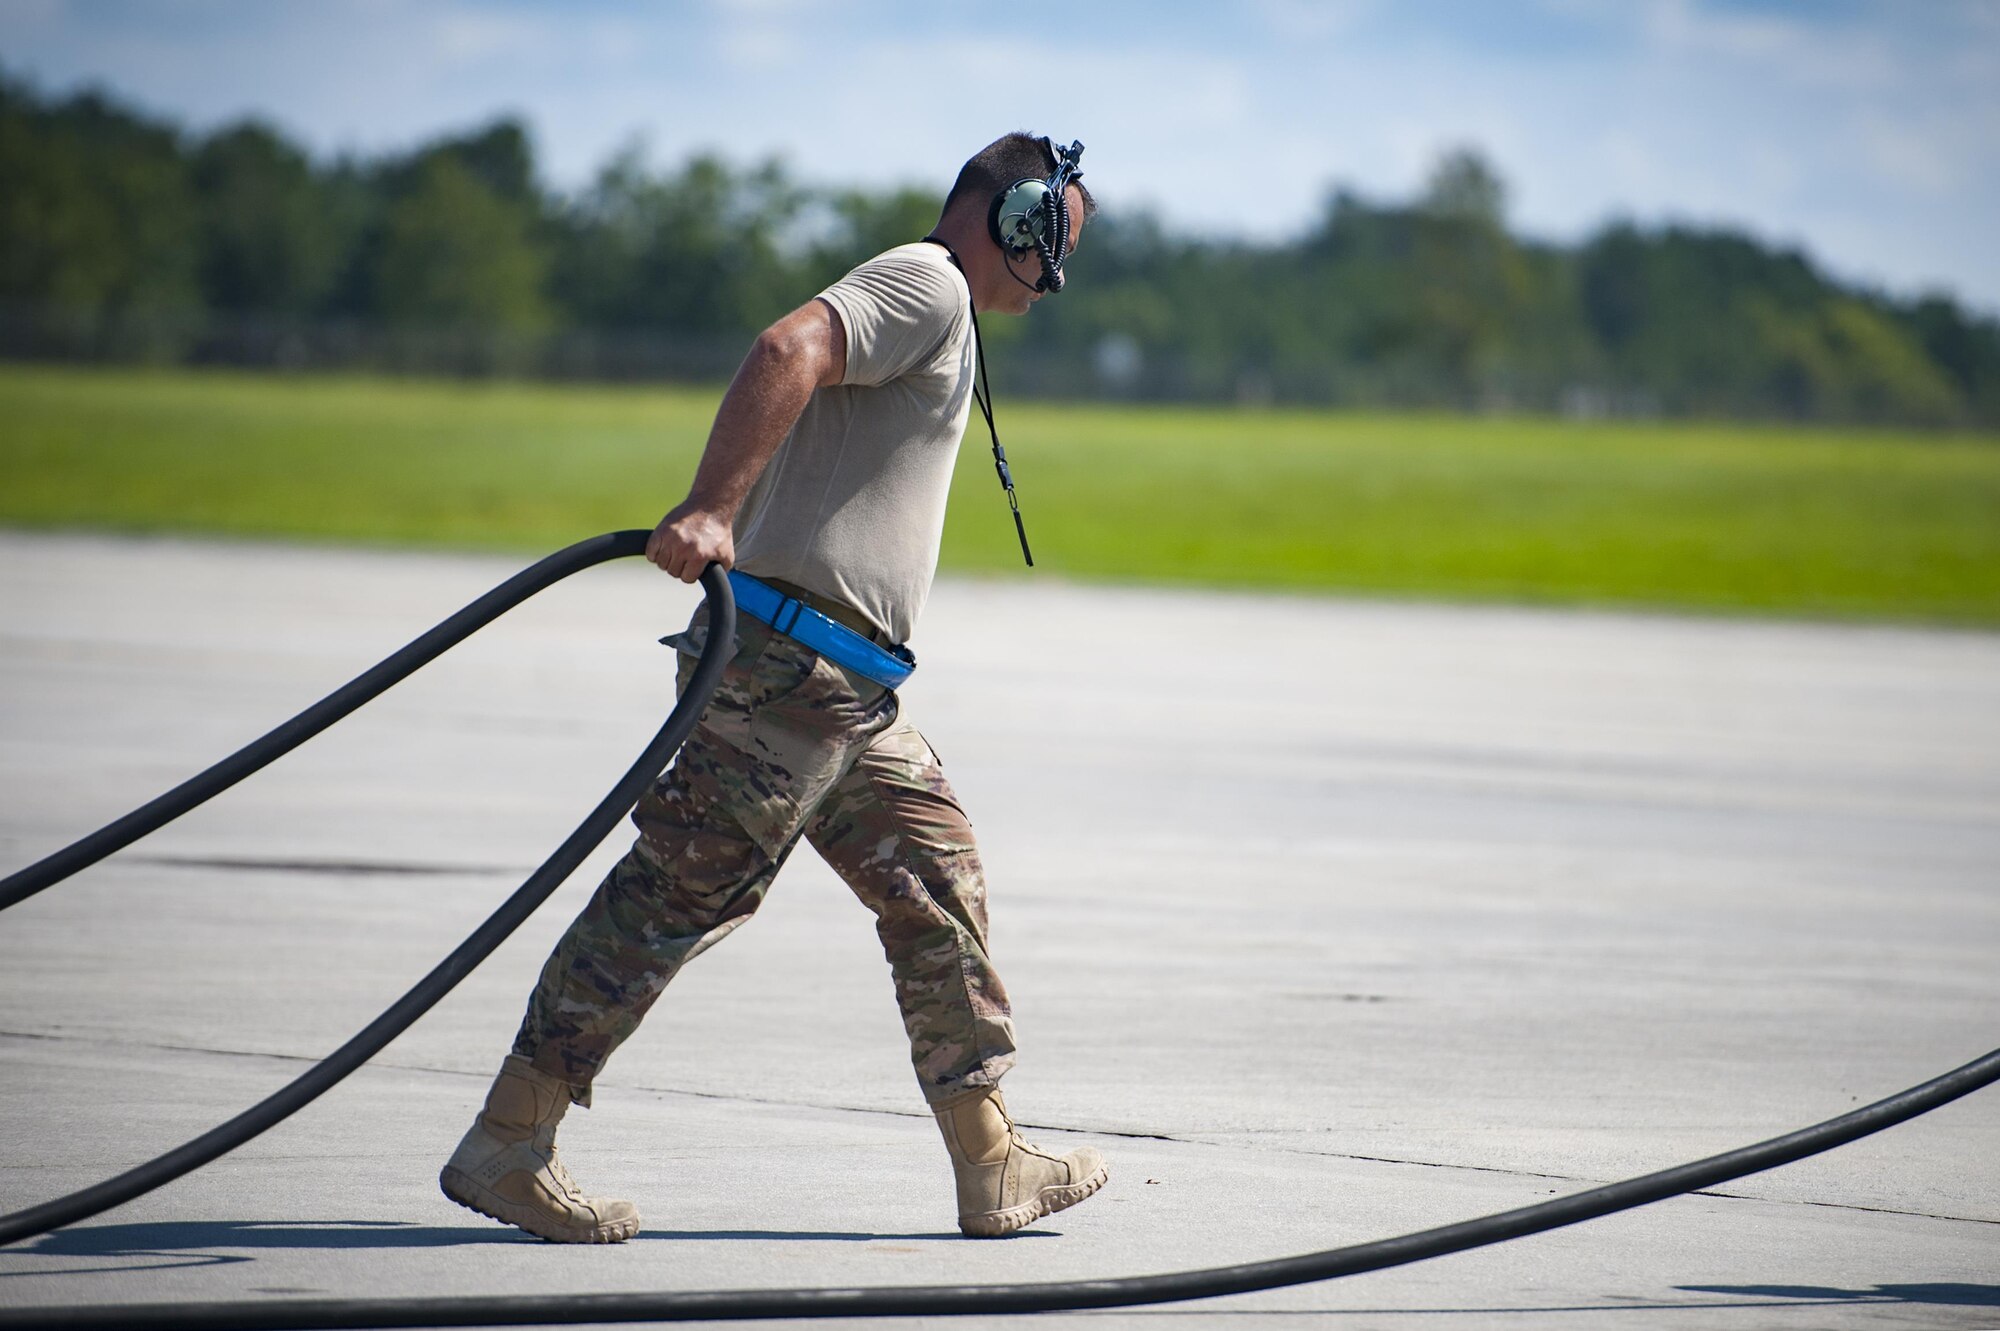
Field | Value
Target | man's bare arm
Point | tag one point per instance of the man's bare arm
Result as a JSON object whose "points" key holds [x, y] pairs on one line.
{"points": [[804, 351]]}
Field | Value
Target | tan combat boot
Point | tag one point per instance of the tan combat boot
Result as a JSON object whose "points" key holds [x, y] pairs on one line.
{"points": [[506, 1166], [1003, 1182]]}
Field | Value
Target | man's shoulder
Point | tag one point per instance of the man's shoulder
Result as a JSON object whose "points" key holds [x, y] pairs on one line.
{"points": [[907, 309], [924, 254], [920, 268]]}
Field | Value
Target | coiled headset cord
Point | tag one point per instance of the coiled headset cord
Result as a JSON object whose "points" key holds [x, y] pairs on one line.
{"points": [[728, 1305]]}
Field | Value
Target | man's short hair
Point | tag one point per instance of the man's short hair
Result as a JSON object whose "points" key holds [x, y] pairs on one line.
{"points": [[1011, 157]]}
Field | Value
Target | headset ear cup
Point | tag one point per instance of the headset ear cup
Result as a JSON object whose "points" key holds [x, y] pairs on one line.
{"points": [[1019, 215]]}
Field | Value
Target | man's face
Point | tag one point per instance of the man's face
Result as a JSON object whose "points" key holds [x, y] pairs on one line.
{"points": [[1027, 267]]}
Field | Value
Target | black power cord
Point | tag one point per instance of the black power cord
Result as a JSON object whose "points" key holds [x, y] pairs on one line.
{"points": [[993, 1300], [363, 688], [445, 976], [737, 1305]]}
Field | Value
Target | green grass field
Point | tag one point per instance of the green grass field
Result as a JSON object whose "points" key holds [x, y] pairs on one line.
{"points": [[1867, 524]]}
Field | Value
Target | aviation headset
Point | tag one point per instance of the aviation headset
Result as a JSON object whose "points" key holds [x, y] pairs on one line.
{"points": [[1033, 214], [1030, 214]]}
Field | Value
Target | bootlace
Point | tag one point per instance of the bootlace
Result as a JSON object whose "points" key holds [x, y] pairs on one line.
{"points": [[545, 1143]]}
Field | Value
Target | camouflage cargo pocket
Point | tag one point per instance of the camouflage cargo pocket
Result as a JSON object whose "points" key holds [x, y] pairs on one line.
{"points": [[815, 729], [789, 723], [766, 667]]}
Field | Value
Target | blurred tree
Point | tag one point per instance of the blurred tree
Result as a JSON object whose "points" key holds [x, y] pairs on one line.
{"points": [[453, 255], [699, 251], [1841, 360], [859, 225], [1963, 347], [1467, 279], [1463, 189], [500, 158], [117, 237], [97, 225], [270, 242]]}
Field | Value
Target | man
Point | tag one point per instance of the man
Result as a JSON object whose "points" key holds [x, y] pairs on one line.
{"points": [[824, 477]]}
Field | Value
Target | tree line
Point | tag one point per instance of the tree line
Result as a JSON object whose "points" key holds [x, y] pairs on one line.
{"points": [[125, 238]]}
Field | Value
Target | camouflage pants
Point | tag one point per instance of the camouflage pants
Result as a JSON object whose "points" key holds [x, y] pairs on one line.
{"points": [[790, 746]]}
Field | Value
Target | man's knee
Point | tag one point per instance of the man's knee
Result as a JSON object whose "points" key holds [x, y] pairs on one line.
{"points": [[651, 903], [692, 866]]}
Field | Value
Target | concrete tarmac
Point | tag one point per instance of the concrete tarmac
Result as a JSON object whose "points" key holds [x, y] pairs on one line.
{"points": [[1326, 920]]}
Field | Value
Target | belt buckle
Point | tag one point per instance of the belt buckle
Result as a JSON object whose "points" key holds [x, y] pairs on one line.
{"points": [[837, 612]]}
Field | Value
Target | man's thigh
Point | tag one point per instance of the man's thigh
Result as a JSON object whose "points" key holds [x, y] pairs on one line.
{"points": [[780, 730], [892, 825], [894, 830]]}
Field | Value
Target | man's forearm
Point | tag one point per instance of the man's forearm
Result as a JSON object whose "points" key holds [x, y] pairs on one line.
{"points": [[804, 351], [770, 390]]}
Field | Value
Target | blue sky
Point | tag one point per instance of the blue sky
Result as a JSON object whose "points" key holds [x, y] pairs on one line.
{"points": [[1867, 132]]}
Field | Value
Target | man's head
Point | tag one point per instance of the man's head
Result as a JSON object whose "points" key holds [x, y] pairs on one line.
{"points": [[970, 209]]}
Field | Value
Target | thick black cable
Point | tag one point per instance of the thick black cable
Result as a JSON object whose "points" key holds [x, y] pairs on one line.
{"points": [[363, 688], [993, 1300], [441, 980], [938, 1300]]}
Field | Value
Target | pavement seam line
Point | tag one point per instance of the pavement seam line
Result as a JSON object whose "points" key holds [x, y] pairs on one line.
{"points": [[1122, 1134]]}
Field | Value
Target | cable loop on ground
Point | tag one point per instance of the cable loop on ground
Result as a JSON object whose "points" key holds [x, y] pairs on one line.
{"points": [[735, 1305], [404, 1012]]}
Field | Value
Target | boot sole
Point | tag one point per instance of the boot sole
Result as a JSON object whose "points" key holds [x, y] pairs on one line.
{"points": [[995, 1224], [455, 1185]]}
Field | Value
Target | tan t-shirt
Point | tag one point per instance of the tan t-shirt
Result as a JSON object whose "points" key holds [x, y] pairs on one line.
{"points": [[852, 504]]}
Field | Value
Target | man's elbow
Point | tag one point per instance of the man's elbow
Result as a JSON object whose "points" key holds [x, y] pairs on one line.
{"points": [[776, 345], [799, 347]]}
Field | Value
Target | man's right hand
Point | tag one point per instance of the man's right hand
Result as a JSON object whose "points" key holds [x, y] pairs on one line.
{"points": [[688, 539]]}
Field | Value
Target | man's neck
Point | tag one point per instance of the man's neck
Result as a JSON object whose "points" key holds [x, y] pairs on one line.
{"points": [[978, 257]]}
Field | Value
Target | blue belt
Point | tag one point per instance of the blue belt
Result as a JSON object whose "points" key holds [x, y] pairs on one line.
{"points": [[887, 666]]}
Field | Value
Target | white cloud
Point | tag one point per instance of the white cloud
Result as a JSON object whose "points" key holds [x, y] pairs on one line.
{"points": [[463, 36], [1310, 20], [1907, 155]]}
